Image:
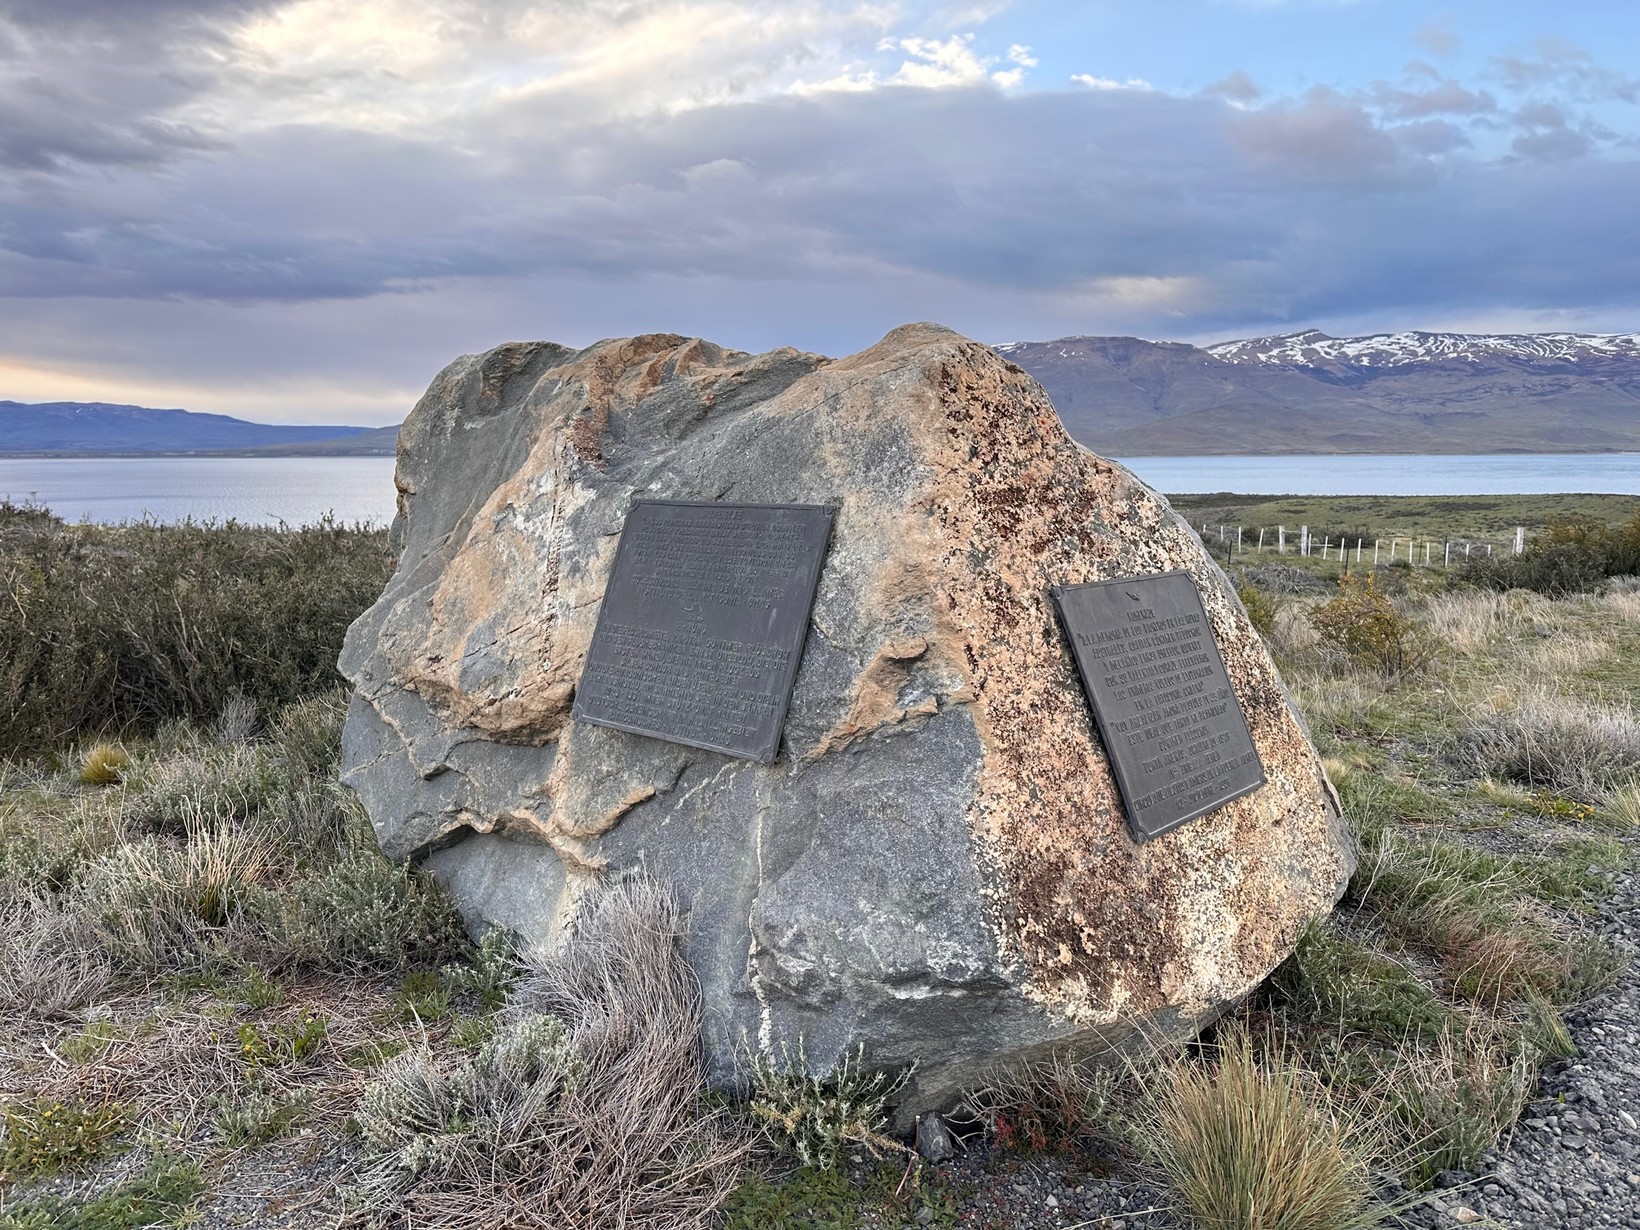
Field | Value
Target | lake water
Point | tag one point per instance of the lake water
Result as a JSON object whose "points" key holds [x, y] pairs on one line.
{"points": [[258, 490], [1496, 474], [299, 490]]}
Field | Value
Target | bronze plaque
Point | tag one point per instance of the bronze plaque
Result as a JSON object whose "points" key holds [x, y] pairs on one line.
{"points": [[703, 623], [1172, 727]]}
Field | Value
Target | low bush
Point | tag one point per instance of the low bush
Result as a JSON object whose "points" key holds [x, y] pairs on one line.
{"points": [[116, 627], [817, 1118], [44, 1136], [159, 1196], [1572, 555], [1366, 626]]}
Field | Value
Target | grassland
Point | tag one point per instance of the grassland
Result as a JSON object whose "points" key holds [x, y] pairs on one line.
{"points": [[1478, 517], [220, 1005]]}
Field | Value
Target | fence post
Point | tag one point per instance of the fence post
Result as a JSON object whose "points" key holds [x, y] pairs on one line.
{"points": [[1447, 562], [1261, 540], [1281, 540], [1466, 547], [1304, 540], [1358, 542], [1376, 543], [1239, 550], [1426, 553], [1520, 539], [1488, 550]]}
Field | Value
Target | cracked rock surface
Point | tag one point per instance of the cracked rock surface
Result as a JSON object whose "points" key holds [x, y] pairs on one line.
{"points": [[936, 866]]}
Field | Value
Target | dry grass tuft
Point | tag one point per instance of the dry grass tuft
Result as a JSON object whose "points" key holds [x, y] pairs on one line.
{"points": [[1551, 742], [1621, 804], [104, 765], [1259, 1146], [49, 963], [1564, 655], [1458, 1097], [1622, 604], [1469, 620], [589, 1108]]}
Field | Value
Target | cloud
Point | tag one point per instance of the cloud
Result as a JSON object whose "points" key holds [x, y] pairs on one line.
{"points": [[1236, 88], [1108, 83], [241, 195], [1437, 39]]}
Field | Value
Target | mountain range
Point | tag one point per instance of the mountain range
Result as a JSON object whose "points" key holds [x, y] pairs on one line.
{"points": [[1310, 393], [1301, 392], [91, 428]]}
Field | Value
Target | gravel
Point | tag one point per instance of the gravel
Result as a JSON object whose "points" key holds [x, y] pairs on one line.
{"points": [[1574, 1160]]}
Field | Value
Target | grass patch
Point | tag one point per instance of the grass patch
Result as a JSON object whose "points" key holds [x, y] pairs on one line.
{"points": [[47, 1136], [160, 1196]]}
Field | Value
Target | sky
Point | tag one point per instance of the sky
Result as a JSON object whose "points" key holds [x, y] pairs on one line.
{"points": [[299, 210]]}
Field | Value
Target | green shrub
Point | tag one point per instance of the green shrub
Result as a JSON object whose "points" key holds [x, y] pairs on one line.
{"points": [[113, 627], [256, 1116], [1368, 627], [1572, 555], [1343, 985], [364, 912], [1261, 609]]}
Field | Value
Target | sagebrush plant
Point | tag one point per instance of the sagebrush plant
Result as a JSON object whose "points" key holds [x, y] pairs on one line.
{"points": [[586, 1106], [817, 1117], [1251, 1144], [256, 1116]]}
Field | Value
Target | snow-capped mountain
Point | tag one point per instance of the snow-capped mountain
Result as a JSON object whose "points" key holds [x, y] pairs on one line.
{"points": [[1310, 393], [1312, 348]]}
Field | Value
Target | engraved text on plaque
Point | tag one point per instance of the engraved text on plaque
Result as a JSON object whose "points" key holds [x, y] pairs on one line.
{"points": [[1172, 727], [703, 622]]}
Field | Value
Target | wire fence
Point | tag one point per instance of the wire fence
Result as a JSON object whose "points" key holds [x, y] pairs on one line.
{"points": [[1414, 550]]}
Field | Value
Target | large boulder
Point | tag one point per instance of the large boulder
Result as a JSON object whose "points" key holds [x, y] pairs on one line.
{"points": [[937, 865]]}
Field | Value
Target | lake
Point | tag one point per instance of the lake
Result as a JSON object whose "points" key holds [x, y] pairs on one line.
{"points": [[300, 490]]}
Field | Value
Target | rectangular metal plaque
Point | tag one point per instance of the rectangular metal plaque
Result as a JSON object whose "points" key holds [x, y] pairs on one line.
{"points": [[703, 623], [1172, 727]]}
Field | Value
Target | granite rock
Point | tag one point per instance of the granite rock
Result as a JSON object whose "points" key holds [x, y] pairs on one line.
{"points": [[937, 865]]}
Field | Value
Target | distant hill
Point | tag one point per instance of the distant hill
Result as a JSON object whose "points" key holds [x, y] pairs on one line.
{"points": [[72, 428], [1311, 393]]}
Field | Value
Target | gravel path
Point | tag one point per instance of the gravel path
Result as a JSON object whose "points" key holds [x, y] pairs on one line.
{"points": [[1574, 1161]]}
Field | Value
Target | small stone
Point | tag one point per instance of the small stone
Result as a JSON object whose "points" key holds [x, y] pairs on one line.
{"points": [[1628, 1120], [1464, 1215], [934, 1140], [1053, 1201], [925, 1215]]}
